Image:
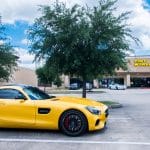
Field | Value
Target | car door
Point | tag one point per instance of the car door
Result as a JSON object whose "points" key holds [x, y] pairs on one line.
{"points": [[15, 111]]}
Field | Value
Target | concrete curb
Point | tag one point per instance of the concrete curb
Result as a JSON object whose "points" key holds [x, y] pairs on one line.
{"points": [[74, 92], [114, 106]]}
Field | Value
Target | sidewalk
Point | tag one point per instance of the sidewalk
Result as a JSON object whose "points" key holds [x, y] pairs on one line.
{"points": [[66, 91]]}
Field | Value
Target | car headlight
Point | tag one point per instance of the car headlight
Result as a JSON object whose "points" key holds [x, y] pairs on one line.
{"points": [[93, 110]]}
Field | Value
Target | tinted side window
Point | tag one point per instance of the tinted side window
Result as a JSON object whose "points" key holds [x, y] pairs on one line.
{"points": [[9, 94]]}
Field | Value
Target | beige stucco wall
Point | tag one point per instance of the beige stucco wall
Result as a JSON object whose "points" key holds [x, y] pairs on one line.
{"points": [[138, 67], [135, 66], [23, 76]]}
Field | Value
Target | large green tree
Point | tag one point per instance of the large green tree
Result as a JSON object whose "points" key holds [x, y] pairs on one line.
{"points": [[48, 75], [8, 57], [81, 41]]}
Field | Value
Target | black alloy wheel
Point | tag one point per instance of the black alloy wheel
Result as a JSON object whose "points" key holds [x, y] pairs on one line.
{"points": [[73, 123]]}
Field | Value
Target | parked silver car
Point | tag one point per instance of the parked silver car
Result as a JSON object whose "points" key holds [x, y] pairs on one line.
{"points": [[89, 86], [116, 86], [74, 86]]}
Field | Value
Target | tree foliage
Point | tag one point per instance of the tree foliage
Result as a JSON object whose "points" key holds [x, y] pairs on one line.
{"points": [[81, 41], [47, 75], [43, 76], [8, 57]]}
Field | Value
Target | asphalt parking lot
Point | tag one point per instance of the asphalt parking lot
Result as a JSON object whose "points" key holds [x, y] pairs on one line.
{"points": [[127, 128]]}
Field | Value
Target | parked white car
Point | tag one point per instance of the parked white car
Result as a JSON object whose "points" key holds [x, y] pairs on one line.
{"points": [[117, 87], [89, 86]]}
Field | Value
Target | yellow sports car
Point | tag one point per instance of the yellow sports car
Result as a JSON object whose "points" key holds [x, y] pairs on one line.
{"points": [[23, 106]]}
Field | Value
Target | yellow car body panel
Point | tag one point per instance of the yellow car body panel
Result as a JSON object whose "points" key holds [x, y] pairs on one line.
{"points": [[24, 113]]}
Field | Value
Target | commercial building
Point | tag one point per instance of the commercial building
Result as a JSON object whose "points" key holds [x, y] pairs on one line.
{"points": [[136, 75], [22, 76]]}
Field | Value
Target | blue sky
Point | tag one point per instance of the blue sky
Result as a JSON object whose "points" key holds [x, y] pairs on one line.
{"points": [[148, 6], [22, 13], [17, 32]]}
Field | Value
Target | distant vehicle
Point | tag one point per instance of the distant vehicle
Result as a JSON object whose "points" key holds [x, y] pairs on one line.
{"points": [[104, 85], [89, 86], [74, 86], [117, 86]]}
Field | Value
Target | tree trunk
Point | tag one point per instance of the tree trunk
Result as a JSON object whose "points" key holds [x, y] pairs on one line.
{"points": [[84, 89]]}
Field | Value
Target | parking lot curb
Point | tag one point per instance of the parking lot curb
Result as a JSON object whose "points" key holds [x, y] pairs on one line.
{"points": [[113, 106], [74, 92]]}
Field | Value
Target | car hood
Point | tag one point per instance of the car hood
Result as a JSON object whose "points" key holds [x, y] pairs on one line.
{"points": [[80, 101]]}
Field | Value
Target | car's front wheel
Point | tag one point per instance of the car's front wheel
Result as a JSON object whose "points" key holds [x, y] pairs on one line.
{"points": [[73, 123]]}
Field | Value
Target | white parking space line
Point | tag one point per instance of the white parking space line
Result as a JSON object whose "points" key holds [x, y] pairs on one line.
{"points": [[73, 141]]}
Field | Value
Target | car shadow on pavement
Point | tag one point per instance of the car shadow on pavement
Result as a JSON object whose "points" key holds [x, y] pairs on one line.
{"points": [[44, 134]]}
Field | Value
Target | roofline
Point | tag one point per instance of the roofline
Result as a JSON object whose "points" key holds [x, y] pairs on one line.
{"points": [[17, 85], [139, 56], [11, 87]]}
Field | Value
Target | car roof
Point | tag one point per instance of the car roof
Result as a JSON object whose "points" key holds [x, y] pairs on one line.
{"points": [[16, 86]]}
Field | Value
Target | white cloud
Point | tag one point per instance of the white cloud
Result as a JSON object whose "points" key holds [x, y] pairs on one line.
{"points": [[25, 10], [25, 59], [12, 10], [1, 42], [139, 21], [145, 39], [25, 41]]}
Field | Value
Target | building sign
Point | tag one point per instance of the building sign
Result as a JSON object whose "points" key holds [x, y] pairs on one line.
{"points": [[141, 63]]}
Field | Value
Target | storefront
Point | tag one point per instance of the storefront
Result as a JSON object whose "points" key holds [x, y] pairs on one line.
{"points": [[137, 74]]}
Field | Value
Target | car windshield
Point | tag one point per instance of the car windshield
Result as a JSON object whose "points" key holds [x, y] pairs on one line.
{"points": [[36, 94]]}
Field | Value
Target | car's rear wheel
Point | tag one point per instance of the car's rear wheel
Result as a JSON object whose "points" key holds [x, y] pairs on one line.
{"points": [[73, 123]]}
